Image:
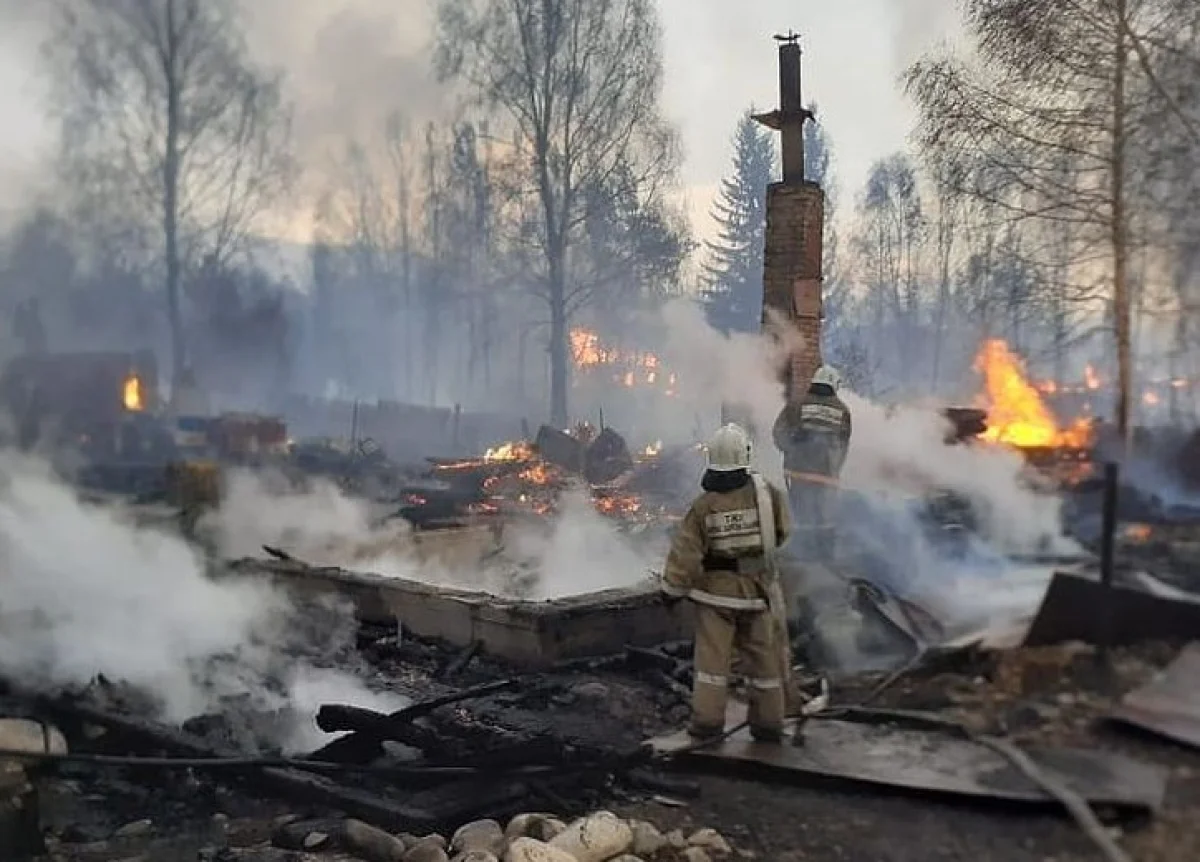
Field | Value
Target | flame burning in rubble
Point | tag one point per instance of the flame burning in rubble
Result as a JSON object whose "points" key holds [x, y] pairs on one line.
{"points": [[1017, 415], [1138, 533], [518, 450], [537, 474], [518, 479], [630, 368], [132, 394], [618, 504]]}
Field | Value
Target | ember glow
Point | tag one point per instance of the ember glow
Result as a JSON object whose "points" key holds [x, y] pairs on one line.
{"points": [[132, 395], [539, 473], [1138, 533], [618, 504], [1017, 415]]}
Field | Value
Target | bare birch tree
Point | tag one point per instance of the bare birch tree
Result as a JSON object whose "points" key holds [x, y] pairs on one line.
{"points": [[164, 112], [578, 82], [1064, 116]]}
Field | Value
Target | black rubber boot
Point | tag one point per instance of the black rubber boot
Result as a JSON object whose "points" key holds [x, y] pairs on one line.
{"points": [[771, 735], [699, 731]]}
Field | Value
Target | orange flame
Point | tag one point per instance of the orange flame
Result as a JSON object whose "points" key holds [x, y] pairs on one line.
{"points": [[1090, 378], [628, 367], [518, 450], [1016, 413], [537, 474], [132, 394]]}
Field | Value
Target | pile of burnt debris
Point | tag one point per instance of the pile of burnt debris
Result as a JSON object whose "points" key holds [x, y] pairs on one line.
{"points": [[486, 744], [483, 741], [523, 477]]}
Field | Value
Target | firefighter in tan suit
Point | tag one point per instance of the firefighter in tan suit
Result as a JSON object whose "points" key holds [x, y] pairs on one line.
{"points": [[722, 559]]}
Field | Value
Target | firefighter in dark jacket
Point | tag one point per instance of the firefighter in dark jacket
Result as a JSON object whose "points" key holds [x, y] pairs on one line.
{"points": [[814, 436], [723, 560]]}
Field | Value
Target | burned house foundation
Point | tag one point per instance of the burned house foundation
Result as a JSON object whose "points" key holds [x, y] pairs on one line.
{"points": [[529, 633]]}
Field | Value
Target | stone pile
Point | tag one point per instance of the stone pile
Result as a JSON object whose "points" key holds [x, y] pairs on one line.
{"points": [[530, 837]]}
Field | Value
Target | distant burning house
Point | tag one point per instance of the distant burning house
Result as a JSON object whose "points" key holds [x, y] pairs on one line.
{"points": [[596, 361], [83, 397]]}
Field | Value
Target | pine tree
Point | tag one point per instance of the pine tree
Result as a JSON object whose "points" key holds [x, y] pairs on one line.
{"points": [[733, 273], [818, 168]]}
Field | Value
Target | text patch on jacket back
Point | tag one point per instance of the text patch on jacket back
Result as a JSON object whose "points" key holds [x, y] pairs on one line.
{"points": [[821, 415], [733, 532]]}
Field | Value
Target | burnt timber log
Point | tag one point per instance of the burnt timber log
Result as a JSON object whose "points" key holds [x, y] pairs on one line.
{"points": [[606, 458], [560, 448], [965, 422], [372, 728]]}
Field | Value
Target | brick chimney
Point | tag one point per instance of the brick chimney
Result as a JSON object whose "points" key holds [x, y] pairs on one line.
{"points": [[795, 226]]}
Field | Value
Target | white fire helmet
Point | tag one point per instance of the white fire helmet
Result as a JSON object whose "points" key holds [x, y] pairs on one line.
{"points": [[827, 375], [729, 449]]}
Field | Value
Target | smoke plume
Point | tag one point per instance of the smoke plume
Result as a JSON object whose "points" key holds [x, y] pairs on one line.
{"points": [[898, 461], [575, 550], [901, 451], [88, 593]]}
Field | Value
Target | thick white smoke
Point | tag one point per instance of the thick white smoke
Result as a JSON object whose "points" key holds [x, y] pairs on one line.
{"points": [[576, 550], [583, 551], [897, 458], [317, 523], [84, 592], [900, 452], [713, 369]]}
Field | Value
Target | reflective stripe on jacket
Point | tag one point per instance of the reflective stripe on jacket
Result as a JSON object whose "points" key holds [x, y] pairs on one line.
{"points": [[724, 526], [814, 435]]}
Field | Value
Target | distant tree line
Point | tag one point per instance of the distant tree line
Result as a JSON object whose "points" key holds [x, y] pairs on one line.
{"points": [[1048, 201], [451, 261]]}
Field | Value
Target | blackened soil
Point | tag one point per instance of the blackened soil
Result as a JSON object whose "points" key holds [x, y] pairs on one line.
{"points": [[1032, 696]]}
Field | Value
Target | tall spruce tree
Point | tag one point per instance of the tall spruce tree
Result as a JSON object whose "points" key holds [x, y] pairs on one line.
{"points": [[733, 273]]}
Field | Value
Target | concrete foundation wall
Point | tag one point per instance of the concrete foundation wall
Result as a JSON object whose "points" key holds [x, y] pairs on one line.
{"points": [[531, 633]]}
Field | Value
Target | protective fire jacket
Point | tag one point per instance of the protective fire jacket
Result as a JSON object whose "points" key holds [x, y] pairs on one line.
{"points": [[717, 557], [814, 435]]}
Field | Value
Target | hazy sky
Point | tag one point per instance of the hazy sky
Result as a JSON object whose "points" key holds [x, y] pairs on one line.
{"points": [[350, 62]]}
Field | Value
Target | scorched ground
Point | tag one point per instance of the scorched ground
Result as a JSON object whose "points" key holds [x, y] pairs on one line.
{"points": [[595, 715]]}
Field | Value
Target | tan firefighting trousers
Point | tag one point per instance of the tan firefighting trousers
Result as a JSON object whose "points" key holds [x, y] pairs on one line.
{"points": [[813, 499], [719, 634], [793, 698]]}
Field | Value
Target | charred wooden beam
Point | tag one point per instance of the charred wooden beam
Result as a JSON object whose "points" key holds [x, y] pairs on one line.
{"points": [[370, 729], [293, 784]]}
